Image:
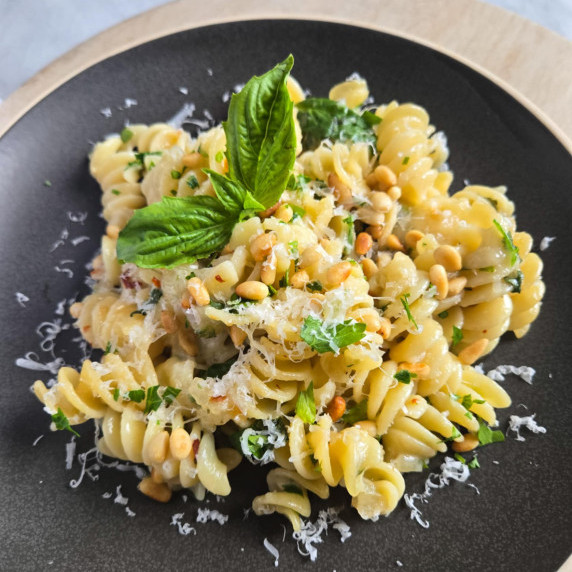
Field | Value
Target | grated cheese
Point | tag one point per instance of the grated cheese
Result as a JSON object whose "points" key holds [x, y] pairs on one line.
{"points": [[119, 498], [184, 90], [206, 514], [273, 550], [525, 372], [36, 440], [450, 470], [22, 299], [545, 242], [516, 422], [311, 532], [70, 452], [184, 527], [106, 112], [129, 512]]}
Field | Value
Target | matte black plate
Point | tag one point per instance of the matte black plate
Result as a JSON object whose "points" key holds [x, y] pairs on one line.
{"points": [[521, 520]]}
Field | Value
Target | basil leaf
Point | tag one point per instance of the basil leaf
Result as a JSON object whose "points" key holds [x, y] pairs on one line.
{"points": [[175, 231], [153, 401], [306, 406], [322, 118], [218, 369], [260, 135], [486, 435], [332, 338], [230, 193], [251, 203], [136, 395], [356, 413], [404, 376]]}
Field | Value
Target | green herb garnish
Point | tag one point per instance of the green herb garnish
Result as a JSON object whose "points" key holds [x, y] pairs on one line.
{"points": [[306, 406], [136, 395], [457, 336], [315, 286], [153, 401], [508, 243], [193, 182], [330, 338], [405, 304], [62, 423], [356, 413], [404, 376], [405, 161], [443, 314], [486, 435], [515, 281], [126, 135]]}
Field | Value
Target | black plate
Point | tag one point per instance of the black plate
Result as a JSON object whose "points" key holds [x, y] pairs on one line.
{"points": [[521, 520]]}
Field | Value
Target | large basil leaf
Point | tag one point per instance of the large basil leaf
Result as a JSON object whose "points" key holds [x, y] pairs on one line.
{"points": [[322, 118], [230, 193], [175, 231], [260, 135]]}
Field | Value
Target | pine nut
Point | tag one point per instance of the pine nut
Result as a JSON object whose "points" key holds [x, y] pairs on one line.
{"points": [[422, 370], [380, 202], [158, 447], [394, 243], [338, 273], [261, 246], [385, 328], [456, 285], [168, 322], [336, 408], [369, 267], [252, 290], [156, 476], [438, 277], [469, 443], [188, 342], [385, 176], [309, 257], [368, 426], [376, 230], [268, 270], [299, 279], [342, 192], [474, 351], [157, 491], [192, 160], [413, 237], [198, 291], [75, 310], [237, 336], [367, 316], [112, 231], [371, 181], [448, 257], [270, 210], [394, 193], [364, 242], [180, 444], [284, 213]]}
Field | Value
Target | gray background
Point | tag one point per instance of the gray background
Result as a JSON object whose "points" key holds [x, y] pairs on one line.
{"points": [[35, 32]]}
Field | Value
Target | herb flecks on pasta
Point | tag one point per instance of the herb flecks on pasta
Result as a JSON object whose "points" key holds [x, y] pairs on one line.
{"points": [[297, 287]]}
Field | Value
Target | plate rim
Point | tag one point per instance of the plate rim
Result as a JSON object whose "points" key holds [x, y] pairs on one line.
{"points": [[93, 51]]}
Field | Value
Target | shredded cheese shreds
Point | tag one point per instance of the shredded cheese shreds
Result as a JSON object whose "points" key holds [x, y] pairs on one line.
{"points": [[545, 242], [515, 423], [525, 372], [206, 514], [273, 550], [70, 452], [22, 299], [184, 527]]}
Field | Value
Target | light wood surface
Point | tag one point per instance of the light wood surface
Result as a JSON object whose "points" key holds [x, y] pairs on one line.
{"points": [[531, 63]]}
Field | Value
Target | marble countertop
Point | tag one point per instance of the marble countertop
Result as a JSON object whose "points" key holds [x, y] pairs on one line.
{"points": [[35, 33]]}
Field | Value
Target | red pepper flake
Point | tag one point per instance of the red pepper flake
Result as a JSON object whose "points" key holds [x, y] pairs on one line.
{"points": [[196, 444], [218, 278], [128, 282], [156, 282], [218, 398]]}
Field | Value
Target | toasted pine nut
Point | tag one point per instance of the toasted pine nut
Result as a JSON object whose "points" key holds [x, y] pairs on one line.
{"points": [[75, 310], [156, 476], [394, 243], [112, 231], [474, 351], [192, 160], [168, 322], [342, 192], [180, 443], [309, 256], [157, 491], [456, 285], [364, 242], [394, 193], [198, 291], [336, 408], [270, 210], [367, 316], [268, 270], [284, 213], [299, 279], [338, 273], [469, 443], [413, 237], [380, 202], [237, 336], [188, 342], [158, 447], [376, 230], [261, 246], [385, 329], [371, 181], [252, 290], [368, 426], [438, 277], [422, 370], [369, 267], [385, 176], [448, 257]]}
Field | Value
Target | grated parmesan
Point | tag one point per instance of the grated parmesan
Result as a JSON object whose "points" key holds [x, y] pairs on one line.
{"points": [[525, 372], [206, 514], [545, 242], [22, 299], [273, 550], [515, 423], [184, 527], [70, 452]]}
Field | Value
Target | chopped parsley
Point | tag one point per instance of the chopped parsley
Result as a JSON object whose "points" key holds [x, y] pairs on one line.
{"points": [[474, 463], [315, 286], [193, 182], [299, 212], [126, 135], [216, 304], [285, 280], [136, 395], [404, 376], [139, 160], [356, 413], [107, 349], [306, 406], [218, 369], [175, 174], [443, 314], [298, 182], [153, 401], [486, 435], [405, 160], [455, 434], [460, 458], [330, 338], [219, 157], [115, 192], [467, 401], [457, 336], [405, 304], [515, 281], [507, 242], [62, 422], [47, 183]]}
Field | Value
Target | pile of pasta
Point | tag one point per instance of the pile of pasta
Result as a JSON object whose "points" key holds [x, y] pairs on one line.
{"points": [[204, 363]]}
